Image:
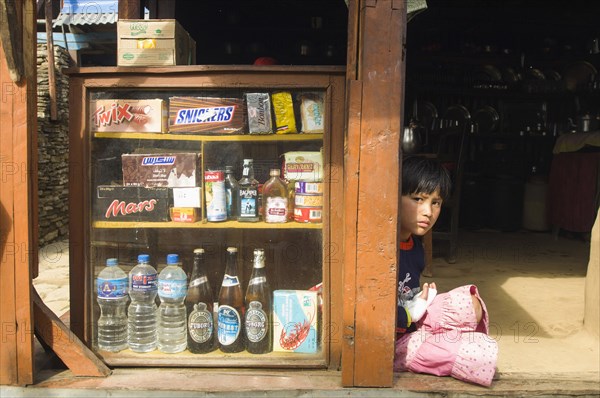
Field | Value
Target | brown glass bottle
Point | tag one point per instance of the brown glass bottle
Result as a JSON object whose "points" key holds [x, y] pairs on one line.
{"points": [[231, 308], [257, 323], [199, 306]]}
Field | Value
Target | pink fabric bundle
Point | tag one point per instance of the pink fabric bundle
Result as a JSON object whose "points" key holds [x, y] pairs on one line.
{"points": [[449, 342]]}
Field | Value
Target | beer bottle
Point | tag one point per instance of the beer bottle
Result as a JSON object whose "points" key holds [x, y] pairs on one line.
{"points": [[258, 308], [199, 305], [231, 307]]}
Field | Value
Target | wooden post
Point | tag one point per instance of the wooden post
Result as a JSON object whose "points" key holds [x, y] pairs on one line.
{"points": [[372, 175], [50, 57], [18, 191], [129, 9]]}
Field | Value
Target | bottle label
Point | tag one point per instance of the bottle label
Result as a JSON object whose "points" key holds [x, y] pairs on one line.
{"points": [[248, 202], [256, 322], [229, 322], [198, 281], [258, 280], [229, 280], [112, 288], [200, 323], [144, 283], [173, 289], [276, 209]]}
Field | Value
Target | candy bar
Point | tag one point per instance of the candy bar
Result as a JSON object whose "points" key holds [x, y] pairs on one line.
{"points": [[206, 115]]}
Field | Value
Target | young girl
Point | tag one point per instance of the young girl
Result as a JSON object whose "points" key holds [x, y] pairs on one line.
{"points": [[440, 334]]}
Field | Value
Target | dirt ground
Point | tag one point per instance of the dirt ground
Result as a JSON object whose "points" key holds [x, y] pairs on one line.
{"points": [[533, 286], [532, 283]]}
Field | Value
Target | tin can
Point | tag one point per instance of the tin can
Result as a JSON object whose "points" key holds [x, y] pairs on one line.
{"points": [[308, 187], [308, 214], [215, 196], [308, 200]]}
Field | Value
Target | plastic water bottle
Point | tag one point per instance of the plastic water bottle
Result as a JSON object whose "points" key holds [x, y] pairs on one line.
{"points": [[143, 287], [172, 315], [112, 299]]}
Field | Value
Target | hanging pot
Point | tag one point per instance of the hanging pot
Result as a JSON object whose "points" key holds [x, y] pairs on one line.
{"points": [[412, 137]]}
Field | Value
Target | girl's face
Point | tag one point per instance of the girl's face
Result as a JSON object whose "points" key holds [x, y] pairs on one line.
{"points": [[419, 213]]}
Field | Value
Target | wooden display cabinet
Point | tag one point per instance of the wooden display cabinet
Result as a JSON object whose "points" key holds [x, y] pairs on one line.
{"points": [[298, 255]]}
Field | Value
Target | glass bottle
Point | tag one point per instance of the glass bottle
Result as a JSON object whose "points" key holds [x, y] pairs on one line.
{"points": [[258, 324], [248, 203], [275, 199], [199, 307], [231, 307], [232, 190]]}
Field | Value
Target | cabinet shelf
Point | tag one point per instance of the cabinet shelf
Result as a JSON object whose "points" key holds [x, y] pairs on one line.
{"points": [[214, 359], [202, 224], [213, 138]]}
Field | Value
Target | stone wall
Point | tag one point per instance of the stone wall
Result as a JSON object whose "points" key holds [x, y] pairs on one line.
{"points": [[53, 149]]}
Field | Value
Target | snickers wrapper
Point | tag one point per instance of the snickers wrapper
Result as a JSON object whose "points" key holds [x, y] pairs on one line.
{"points": [[259, 113], [118, 203], [206, 115]]}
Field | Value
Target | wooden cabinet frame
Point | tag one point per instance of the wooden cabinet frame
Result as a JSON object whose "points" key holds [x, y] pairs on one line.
{"points": [[330, 79]]}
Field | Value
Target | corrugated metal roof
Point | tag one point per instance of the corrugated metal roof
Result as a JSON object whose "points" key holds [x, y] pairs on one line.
{"points": [[88, 12]]}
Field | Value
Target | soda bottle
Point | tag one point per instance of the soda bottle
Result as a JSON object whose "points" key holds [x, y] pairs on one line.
{"points": [[275, 199], [231, 307], [232, 190], [199, 307], [258, 325], [143, 287], [248, 203], [172, 319], [112, 299]]}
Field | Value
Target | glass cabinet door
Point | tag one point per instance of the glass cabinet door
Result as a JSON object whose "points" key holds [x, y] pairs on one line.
{"points": [[158, 159]]}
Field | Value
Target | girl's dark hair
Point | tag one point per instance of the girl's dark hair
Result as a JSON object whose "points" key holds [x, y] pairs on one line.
{"points": [[420, 174]]}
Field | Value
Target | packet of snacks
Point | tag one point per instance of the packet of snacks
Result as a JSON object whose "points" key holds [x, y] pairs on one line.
{"points": [[283, 106]]}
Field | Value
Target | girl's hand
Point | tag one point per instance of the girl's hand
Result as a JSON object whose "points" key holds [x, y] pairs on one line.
{"points": [[425, 292]]}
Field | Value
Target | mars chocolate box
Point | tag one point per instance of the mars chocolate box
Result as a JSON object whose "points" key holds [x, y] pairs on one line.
{"points": [[161, 170], [128, 115], [118, 203], [207, 115]]}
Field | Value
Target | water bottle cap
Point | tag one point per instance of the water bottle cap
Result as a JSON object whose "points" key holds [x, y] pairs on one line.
{"points": [[144, 258], [111, 262], [198, 250], [172, 258]]}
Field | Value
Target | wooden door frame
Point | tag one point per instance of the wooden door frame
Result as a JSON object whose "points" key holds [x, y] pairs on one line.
{"points": [[18, 190], [374, 99]]}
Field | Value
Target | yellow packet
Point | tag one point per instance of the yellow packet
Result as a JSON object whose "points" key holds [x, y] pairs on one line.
{"points": [[283, 107]]}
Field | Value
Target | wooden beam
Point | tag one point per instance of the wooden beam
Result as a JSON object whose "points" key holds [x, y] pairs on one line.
{"points": [[375, 100], [50, 58], [130, 9], [11, 37], [18, 190], [56, 335]]}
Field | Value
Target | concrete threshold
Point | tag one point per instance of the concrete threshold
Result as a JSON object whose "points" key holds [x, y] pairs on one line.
{"points": [[161, 382]]}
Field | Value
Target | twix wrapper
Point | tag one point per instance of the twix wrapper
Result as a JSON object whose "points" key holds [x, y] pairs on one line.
{"points": [[128, 115]]}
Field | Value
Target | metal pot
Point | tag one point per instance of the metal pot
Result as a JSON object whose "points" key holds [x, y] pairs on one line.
{"points": [[587, 123], [413, 137]]}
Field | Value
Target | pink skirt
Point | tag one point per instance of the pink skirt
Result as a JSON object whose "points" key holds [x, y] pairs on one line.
{"points": [[449, 341]]}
